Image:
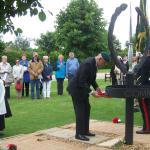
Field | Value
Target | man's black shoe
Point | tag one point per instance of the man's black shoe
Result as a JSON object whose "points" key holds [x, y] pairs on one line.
{"points": [[82, 137], [89, 134]]}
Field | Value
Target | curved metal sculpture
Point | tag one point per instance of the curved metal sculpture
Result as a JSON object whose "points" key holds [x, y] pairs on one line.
{"points": [[114, 17], [128, 91]]}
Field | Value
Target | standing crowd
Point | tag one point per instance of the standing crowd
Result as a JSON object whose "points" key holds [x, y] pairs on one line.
{"points": [[36, 74]]}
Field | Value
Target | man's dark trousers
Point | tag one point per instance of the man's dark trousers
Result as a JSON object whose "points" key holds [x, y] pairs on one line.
{"points": [[82, 112], [79, 89]]}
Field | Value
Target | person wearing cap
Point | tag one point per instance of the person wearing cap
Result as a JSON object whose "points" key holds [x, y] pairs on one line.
{"points": [[79, 89], [144, 103], [47, 77], [18, 75], [35, 69]]}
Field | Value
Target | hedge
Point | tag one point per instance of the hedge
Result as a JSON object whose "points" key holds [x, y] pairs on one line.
{"points": [[13, 55]]}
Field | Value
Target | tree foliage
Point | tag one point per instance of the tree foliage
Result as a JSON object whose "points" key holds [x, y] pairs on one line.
{"points": [[81, 27], [20, 43], [12, 8], [2, 46], [47, 42], [116, 44]]}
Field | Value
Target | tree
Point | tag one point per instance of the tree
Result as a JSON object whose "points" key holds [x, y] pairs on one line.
{"points": [[47, 42], [123, 52], [12, 8], [116, 43], [2, 46], [81, 27], [20, 43]]}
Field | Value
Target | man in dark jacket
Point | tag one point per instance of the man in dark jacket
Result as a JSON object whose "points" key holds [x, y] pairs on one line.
{"points": [[79, 89], [47, 77], [144, 103]]}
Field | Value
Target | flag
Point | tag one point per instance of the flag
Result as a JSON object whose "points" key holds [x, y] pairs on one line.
{"points": [[140, 29]]}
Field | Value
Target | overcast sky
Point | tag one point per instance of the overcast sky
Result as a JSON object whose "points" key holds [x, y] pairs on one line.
{"points": [[33, 27]]}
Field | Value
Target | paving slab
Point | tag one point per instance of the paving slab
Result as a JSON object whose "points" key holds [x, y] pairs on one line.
{"points": [[61, 133], [69, 134], [94, 140], [48, 131], [110, 143], [97, 148], [69, 126]]}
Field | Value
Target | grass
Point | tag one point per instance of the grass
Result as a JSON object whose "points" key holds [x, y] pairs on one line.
{"points": [[104, 71], [32, 115]]}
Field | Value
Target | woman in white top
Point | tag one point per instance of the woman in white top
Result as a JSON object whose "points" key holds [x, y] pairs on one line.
{"points": [[6, 75], [2, 105], [18, 71]]}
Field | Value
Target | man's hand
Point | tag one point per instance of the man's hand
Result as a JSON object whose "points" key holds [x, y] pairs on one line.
{"points": [[17, 78], [48, 77], [39, 71], [98, 89], [35, 74], [95, 94]]}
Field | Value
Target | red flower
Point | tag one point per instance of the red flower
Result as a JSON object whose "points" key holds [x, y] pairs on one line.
{"points": [[101, 93], [116, 120], [12, 147]]}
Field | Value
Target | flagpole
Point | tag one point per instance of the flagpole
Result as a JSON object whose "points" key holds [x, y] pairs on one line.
{"points": [[130, 50]]}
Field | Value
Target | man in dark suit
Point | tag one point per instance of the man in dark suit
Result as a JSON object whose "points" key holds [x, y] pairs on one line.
{"points": [[79, 89]]}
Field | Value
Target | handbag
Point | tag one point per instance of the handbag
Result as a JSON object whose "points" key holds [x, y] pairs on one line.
{"points": [[18, 85]]}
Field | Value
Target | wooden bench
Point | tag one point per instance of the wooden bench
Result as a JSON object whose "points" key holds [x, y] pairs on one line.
{"points": [[107, 76]]}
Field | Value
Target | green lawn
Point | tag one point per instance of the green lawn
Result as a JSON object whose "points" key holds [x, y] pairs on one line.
{"points": [[32, 115], [104, 71]]}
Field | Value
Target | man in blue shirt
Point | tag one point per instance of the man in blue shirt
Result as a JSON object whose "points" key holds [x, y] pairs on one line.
{"points": [[72, 65]]}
